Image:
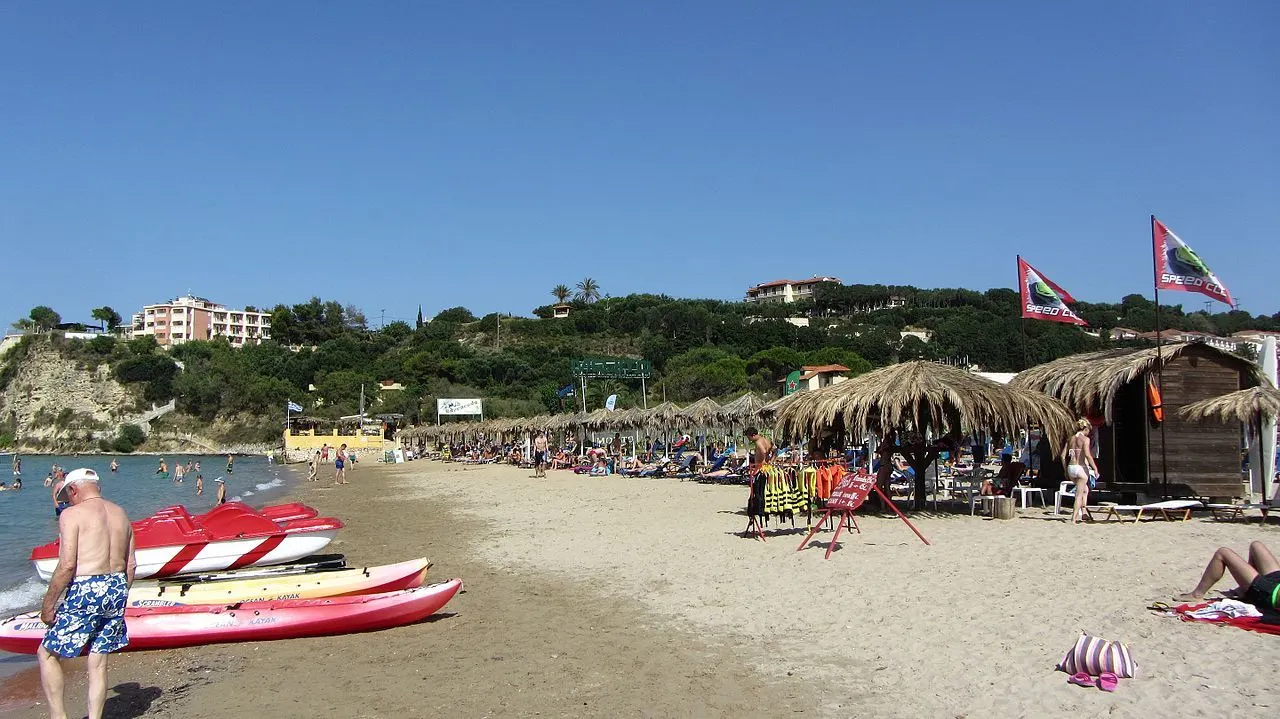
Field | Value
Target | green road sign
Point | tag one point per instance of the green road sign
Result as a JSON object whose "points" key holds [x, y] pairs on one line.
{"points": [[611, 368]]}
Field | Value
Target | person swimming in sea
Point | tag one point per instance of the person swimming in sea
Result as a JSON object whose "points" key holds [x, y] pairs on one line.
{"points": [[163, 470], [199, 484], [114, 465], [230, 460]]}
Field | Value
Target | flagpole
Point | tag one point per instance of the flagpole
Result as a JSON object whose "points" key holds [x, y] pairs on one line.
{"points": [[1155, 279], [1022, 319]]}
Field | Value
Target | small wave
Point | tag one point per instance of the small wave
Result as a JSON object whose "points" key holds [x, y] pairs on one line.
{"points": [[247, 494], [268, 485], [22, 596]]}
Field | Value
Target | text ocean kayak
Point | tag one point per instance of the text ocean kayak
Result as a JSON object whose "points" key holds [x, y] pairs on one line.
{"points": [[188, 626], [334, 583], [232, 537]]}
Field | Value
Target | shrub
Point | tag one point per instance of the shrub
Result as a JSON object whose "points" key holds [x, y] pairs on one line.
{"points": [[128, 438]]}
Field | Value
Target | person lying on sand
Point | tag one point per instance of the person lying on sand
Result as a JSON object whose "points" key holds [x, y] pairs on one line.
{"points": [[1259, 578]]}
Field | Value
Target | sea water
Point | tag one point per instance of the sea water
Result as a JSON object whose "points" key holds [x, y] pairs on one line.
{"points": [[27, 518]]}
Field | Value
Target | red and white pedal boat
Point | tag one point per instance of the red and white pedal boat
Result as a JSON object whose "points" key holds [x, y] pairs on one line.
{"points": [[187, 626], [232, 536]]}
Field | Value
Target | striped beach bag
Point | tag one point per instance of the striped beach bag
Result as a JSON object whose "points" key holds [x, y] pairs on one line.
{"points": [[1094, 656]]}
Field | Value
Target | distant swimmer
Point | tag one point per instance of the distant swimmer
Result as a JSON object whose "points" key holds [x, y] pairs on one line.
{"points": [[114, 465], [199, 484], [222, 491], [17, 466], [48, 481], [179, 472], [17, 483], [230, 461], [163, 470]]}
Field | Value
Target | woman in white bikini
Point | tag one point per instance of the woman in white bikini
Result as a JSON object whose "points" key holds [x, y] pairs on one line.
{"points": [[1079, 462]]}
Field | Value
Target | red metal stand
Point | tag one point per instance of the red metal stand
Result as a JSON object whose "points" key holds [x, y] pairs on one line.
{"points": [[846, 519]]}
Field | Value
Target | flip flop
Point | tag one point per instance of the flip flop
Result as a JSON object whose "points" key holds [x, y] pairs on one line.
{"points": [[1108, 682], [1081, 679]]}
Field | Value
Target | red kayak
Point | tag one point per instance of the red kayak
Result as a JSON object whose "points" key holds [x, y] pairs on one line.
{"points": [[193, 625], [276, 512], [231, 536]]}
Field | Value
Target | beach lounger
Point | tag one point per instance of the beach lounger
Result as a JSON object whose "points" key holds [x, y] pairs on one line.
{"points": [[1167, 510], [1236, 511]]}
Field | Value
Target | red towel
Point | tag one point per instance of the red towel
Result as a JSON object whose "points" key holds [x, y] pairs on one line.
{"points": [[1253, 624]]}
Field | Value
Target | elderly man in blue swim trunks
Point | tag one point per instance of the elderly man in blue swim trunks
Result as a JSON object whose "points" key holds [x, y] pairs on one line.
{"points": [[95, 568]]}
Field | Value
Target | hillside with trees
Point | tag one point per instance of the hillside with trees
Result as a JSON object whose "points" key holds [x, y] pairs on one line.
{"points": [[323, 352]]}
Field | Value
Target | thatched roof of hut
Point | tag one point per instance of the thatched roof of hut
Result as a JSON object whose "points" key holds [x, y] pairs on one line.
{"points": [[1088, 382], [1246, 405], [703, 413], [922, 395]]}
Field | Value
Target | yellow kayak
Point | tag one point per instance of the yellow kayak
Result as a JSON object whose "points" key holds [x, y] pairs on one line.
{"points": [[330, 583]]}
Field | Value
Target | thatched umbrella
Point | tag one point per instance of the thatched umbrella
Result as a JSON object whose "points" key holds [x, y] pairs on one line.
{"points": [[744, 408], [627, 418], [1249, 406], [662, 415], [703, 413], [918, 397]]}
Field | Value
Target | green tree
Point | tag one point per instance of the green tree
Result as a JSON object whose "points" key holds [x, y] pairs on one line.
{"points": [[128, 438], [455, 315], [40, 319], [588, 290], [107, 316], [562, 293], [341, 390]]}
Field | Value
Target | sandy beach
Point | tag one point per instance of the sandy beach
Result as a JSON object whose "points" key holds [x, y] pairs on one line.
{"points": [[595, 597]]}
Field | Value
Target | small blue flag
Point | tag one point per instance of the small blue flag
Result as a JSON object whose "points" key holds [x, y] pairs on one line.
{"points": [[566, 391], [294, 406]]}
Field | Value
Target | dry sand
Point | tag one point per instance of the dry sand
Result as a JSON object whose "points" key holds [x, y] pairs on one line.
{"points": [[613, 597]]}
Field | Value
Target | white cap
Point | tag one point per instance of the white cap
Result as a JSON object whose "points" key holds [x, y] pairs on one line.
{"points": [[75, 476]]}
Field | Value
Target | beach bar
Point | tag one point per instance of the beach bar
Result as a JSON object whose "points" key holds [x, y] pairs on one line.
{"points": [[1144, 448]]}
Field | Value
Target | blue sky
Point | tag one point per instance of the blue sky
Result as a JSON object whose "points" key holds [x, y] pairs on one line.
{"points": [[390, 154]]}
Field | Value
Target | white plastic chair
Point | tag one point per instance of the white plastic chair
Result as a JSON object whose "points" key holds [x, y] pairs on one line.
{"points": [[1062, 492]]}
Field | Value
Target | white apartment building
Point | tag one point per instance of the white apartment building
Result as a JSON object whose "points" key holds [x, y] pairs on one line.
{"points": [[195, 318], [787, 290]]}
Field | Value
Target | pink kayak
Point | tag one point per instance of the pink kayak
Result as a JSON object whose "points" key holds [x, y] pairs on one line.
{"points": [[193, 625]]}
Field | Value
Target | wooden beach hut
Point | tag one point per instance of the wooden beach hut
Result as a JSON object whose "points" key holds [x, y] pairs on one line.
{"points": [[1172, 455]]}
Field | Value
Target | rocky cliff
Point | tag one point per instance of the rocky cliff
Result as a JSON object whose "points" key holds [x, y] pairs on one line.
{"points": [[53, 402]]}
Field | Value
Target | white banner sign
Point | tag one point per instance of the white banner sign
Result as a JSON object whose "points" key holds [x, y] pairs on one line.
{"points": [[458, 406]]}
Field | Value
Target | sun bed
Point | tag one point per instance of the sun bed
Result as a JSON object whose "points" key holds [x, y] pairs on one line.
{"points": [[1236, 511], [1167, 510]]}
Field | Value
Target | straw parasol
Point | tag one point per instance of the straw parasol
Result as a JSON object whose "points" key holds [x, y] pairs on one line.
{"points": [[1247, 406], [703, 413], [627, 419], [744, 408], [662, 415], [920, 397]]}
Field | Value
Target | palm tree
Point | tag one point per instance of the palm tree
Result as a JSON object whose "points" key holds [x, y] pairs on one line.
{"points": [[562, 293], [588, 290]]}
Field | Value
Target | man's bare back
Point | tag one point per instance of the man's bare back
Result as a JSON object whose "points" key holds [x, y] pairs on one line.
{"points": [[100, 532]]}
